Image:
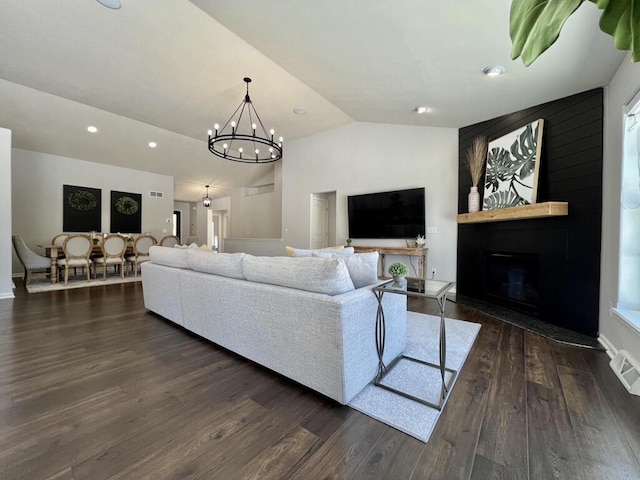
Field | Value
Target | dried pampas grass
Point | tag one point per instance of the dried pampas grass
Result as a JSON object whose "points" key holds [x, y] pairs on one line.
{"points": [[476, 156]]}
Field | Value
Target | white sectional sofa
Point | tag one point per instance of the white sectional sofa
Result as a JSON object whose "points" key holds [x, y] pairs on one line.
{"points": [[301, 317]]}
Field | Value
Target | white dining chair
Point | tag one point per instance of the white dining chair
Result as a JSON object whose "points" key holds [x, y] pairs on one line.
{"points": [[77, 250], [141, 246], [169, 241], [113, 247]]}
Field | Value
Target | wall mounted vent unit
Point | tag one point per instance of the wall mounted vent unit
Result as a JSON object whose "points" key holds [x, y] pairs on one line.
{"points": [[627, 371], [156, 194]]}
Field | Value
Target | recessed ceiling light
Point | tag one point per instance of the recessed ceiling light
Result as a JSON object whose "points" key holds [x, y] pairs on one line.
{"points": [[422, 110], [153, 144], [110, 3], [92, 129], [493, 70], [299, 110]]}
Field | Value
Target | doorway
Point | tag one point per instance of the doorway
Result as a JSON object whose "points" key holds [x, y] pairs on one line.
{"points": [[217, 228], [319, 223], [177, 223], [323, 220]]}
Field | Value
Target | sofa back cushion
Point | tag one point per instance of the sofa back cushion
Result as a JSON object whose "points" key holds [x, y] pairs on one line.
{"points": [[363, 267], [321, 275], [303, 252], [169, 256], [224, 264]]}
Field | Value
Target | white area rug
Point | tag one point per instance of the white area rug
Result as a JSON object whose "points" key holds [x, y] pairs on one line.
{"points": [[406, 415], [44, 285]]}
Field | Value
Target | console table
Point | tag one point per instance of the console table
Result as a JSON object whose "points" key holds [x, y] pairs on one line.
{"points": [[420, 252]]}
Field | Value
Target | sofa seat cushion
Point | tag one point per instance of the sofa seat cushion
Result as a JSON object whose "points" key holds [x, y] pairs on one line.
{"points": [[363, 267], [169, 256], [224, 264], [320, 275]]}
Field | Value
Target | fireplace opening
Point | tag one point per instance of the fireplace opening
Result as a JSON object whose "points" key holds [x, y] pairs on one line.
{"points": [[511, 280]]}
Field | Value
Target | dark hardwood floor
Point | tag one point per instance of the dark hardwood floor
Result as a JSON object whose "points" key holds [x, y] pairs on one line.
{"points": [[92, 386]]}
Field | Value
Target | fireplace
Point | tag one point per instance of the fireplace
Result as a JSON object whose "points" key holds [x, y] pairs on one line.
{"points": [[560, 284], [512, 280]]}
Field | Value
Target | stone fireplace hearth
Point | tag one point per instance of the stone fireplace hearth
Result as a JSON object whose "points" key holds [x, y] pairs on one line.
{"points": [[530, 323]]}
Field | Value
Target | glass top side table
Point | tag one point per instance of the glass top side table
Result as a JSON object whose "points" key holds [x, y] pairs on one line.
{"points": [[435, 289]]}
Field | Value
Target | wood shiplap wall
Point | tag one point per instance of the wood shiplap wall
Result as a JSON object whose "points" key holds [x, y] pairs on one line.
{"points": [[568, 247]]}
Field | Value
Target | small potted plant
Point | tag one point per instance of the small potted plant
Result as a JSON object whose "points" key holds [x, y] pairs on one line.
{"points": [[398, 270], [349, 242]]}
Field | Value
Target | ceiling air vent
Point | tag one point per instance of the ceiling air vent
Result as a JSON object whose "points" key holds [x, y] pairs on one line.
{"points": [[156, 194]]}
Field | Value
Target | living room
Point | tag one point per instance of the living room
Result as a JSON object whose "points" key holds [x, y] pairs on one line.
{"points": [[340, 158]]}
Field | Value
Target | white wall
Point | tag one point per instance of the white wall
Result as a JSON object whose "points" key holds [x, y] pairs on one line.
{"points": [[38, 179], [6, 284], [266, 247], [365, 157], [253, 217], [622, 88], [258, 216]]}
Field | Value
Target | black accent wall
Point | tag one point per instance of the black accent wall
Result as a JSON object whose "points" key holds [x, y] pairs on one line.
{"points": [[568, 247]]}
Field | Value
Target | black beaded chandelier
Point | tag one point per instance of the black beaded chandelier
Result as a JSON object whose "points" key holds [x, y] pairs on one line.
{"points": [[241, 140]]}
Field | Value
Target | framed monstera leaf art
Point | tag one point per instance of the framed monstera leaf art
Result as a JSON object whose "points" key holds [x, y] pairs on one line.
{"points": [[513, 161]]}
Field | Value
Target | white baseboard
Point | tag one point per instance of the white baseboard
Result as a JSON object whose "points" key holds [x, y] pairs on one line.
{"points": [[607, 345], [4, 295]]}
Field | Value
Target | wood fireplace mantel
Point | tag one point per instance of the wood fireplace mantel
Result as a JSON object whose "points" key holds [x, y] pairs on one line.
{"points": [[535, 210]]}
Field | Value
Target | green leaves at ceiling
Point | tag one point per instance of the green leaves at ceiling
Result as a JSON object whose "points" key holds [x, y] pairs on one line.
{"points": [[621, 20], [534, 25]]}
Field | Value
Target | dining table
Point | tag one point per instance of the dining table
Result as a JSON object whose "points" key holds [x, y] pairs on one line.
{"points": [[55, 252]]}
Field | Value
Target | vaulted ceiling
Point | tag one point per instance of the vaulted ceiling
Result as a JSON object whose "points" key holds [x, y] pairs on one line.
{"points": [[167, 70]]}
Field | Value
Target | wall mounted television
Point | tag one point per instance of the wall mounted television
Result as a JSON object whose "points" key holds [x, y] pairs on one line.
{"points": [[397, 214]]}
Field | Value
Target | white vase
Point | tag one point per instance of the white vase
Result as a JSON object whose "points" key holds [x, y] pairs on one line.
{"points": [[474, 200]]}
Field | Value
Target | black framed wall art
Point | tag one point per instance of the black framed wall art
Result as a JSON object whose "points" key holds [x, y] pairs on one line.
{"points": [[126, 212], [82, 209]]}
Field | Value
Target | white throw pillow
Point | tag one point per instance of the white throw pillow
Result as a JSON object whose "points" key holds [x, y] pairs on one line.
{"points": [[363, 267]]}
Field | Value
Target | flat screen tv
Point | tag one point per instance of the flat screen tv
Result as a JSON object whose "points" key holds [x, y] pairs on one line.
{"points": [[397, 214]]}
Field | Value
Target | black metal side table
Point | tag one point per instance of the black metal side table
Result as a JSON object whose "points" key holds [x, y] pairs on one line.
{"points": [[414, 288]]}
